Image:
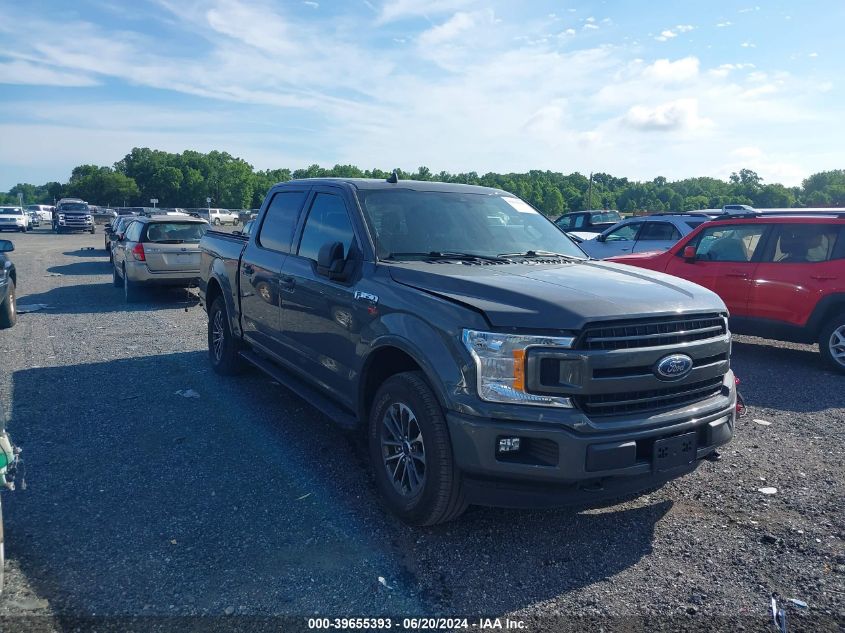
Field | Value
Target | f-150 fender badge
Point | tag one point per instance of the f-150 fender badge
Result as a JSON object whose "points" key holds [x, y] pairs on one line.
{"points": [[366, 296]]}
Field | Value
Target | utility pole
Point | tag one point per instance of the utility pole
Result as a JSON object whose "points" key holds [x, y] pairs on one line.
{"points": [[590, 195]]}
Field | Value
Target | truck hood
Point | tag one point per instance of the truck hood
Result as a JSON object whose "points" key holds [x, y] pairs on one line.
{"points": [[559, 296]]}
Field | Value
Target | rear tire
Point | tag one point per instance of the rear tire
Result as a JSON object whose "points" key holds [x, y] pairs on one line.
{"points": [[9, 309], [411, 452], [130, 288], [223, 347], [832, 342], [116, 281], [93, 230]]}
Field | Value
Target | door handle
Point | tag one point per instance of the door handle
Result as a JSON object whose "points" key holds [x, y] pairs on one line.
{"points": [[287, 283], [248, 269], [823, 277], [737, 274]]}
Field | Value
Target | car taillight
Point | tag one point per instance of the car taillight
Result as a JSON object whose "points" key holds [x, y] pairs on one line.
{"points": [[138, 253]]}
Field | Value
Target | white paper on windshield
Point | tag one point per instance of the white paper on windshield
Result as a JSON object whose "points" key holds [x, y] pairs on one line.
{"points": [[519, 205]]}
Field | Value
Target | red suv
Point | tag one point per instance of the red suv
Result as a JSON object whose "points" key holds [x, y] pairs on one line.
{"points": [[781, 276]]}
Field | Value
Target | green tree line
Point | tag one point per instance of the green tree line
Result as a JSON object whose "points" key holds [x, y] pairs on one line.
{"points": [[186, 179]]}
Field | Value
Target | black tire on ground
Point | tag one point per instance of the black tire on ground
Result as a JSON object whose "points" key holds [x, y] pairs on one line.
{"points": [[441, 497], [22, 229], [131, 292], [93, 230], [832, 342], [8, 309], [223, 347]]}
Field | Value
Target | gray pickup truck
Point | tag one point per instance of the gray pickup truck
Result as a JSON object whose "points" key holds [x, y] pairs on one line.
{"points": [[487, 359]]}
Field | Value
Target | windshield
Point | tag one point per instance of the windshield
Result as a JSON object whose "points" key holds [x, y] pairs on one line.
{"points": [[413, 222], [175, 232], [10, 211], [73, 206]]}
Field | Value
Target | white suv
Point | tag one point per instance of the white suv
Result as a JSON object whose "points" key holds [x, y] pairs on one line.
{"points": [[222, 216], [656, 232], [14, 219]]}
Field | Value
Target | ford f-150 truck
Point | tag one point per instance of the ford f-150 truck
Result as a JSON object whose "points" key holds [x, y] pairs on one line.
{"points": [[73, 214], [486, 357]]}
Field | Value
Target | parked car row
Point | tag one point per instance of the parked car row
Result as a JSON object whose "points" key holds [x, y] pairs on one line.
{"points": [[782, 276]]}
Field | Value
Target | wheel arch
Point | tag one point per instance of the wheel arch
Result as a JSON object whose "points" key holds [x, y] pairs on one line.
{"points": [[824, 310]]}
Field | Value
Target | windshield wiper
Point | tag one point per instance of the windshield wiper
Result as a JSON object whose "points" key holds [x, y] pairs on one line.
{"points": [[448, 255], [540, 254]]}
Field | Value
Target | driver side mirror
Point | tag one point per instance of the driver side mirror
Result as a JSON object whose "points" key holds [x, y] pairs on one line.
{"points": [[6, 246], [330, 260], [689, 253], [601, 238]]}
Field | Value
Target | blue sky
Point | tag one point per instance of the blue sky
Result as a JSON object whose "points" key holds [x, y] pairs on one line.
{"points": [[636, 89]]}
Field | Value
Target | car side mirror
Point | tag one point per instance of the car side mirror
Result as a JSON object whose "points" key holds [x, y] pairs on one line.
{"points": [[689, 253], [600, 238], [6, 246], [330, 260]]}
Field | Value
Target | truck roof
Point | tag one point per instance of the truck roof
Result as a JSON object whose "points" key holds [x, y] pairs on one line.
{"points": [[413, 185]]}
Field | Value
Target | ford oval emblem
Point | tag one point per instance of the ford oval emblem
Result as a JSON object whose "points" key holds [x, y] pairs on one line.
{"points": [[673, 367]]}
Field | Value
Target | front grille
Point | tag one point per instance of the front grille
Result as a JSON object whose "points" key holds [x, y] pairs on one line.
{"points": [[648, 400], [652, 332], [75, 220], [647, 370]]}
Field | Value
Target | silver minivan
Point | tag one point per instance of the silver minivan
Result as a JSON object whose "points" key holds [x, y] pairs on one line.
{"points": [[162, 250]]}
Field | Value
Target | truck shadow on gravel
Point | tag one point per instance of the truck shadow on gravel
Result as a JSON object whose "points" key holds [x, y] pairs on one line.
{"points": [[785, 378], [144, 501], [101, 298]]}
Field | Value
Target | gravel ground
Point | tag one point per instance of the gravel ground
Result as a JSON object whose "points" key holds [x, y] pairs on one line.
{"points": [[245, 501]]}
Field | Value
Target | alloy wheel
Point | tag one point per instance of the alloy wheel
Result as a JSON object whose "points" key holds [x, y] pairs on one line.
{"points": [[403, 449], [837, 345], [217, 335]]}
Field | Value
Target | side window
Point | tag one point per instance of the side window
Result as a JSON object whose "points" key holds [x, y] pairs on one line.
{"points": [[839, 249], [327, 222], [133, 233], [729, 243], [579, 221], [624, 233], [279, 222], [804, 243], [662, 231]]}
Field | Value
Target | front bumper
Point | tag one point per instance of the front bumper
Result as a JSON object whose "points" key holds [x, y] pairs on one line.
{"points": [[139, 273], [558, 466]]}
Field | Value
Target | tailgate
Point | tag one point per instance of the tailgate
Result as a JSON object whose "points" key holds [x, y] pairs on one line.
{"points": [[172, 257]]}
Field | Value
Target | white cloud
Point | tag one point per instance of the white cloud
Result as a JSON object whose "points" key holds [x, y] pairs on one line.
{"points": [[684, 28], [664, 70], [589, 26], [679, 115], [725, 69], [589, 19], [813, 55], [567, 33], [24, 72], [722, 25], [666, 35], [449, 30], [393, 10], [748, 45], [748, 9], [311, 3]]}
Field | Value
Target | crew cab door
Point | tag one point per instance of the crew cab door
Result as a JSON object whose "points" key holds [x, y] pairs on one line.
{"points": [[656, 235], [261, 269], [726, 258], [320, 322], [802, 264]]}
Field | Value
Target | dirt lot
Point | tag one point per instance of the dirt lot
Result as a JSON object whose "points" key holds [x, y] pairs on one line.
{"points": [[245, 501]]}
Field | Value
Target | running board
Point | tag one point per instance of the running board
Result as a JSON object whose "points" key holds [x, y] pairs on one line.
{"points": [[305, 391]]}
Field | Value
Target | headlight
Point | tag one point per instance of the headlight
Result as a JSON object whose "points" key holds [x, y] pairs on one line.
{"points": [[500, 364], [61, 216]]}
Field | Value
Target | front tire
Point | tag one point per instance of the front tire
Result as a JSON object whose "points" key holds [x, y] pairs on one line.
{"points": [[9, 308], [411, 453], [223, 348], [832, 342]]}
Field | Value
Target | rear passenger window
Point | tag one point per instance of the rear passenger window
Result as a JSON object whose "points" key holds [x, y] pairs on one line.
{"points": [[806, 243], [661, 231], [327, 222], [133, 233], [279, 222]]}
